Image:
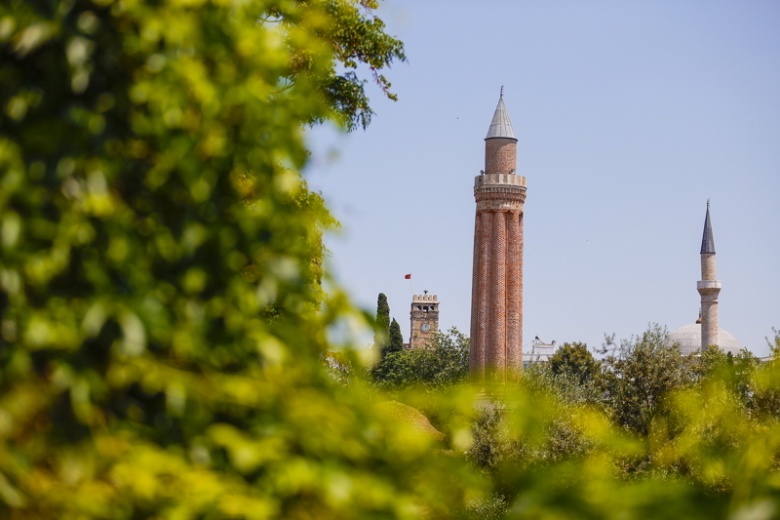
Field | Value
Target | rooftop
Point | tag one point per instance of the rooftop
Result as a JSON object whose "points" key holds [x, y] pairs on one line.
{"points": [[689, 339], [501, 126]]}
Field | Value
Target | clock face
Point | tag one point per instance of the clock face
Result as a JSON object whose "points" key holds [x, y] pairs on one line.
{"points": [[425, 327]]}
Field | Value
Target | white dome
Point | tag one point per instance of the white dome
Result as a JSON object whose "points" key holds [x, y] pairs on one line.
{"points": [[689, 339]]}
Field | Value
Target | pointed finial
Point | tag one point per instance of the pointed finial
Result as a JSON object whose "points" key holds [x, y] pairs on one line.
{"points": [[502, 91], [707, 242]]}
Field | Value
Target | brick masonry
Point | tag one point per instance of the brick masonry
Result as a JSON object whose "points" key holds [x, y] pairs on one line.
{"points": [[497, 284], [500, 155]]}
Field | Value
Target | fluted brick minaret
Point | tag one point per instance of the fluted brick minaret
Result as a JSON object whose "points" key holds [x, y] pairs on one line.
{"points": [[708, 287], [497, 283]]}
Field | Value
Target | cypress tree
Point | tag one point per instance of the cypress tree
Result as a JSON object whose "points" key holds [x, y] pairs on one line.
{"points": [[396, 340], [382, 327]]}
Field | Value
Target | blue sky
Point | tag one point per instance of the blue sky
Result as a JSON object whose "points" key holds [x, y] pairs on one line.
{"points": [[629, 115]]}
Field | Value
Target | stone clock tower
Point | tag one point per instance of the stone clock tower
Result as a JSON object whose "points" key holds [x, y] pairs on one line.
{"points": [[425, 319], [497, 282]]}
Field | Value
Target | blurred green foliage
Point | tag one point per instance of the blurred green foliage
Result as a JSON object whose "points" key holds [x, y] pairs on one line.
{"points": [[163, 319], [162, 316], [706, 451]]}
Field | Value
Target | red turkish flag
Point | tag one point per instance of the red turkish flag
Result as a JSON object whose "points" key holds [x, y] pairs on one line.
{"points": [[408, 276]]}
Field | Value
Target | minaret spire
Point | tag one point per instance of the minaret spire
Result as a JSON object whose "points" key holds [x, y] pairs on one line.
{"points": [[707, 240], [709, 286], [501, 126]]}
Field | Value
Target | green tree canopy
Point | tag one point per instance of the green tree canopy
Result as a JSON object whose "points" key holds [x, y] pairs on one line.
{"points": [[576, 360], [638, 374], [443, 362], [359, 42]]}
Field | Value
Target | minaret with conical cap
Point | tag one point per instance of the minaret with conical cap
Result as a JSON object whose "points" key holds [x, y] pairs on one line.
{"points": [[497, 283], [708, 287]]}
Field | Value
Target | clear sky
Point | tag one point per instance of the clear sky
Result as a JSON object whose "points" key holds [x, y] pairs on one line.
{"points": [[629, 115]]}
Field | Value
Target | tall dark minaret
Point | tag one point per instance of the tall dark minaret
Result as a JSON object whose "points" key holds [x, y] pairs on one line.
{"points": [[708, 287], [497, 282]]}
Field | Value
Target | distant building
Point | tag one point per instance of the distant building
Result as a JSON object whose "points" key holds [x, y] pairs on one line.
{"points": [[688, 337], [540, 352], [424, 320]]}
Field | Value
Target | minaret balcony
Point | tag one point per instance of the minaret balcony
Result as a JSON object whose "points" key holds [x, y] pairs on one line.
{"points": [[499, 179], [704, 285]]}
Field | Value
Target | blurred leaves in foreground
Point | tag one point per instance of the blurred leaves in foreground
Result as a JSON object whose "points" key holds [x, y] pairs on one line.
{"points": [[163, 319], [707, 445]]}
